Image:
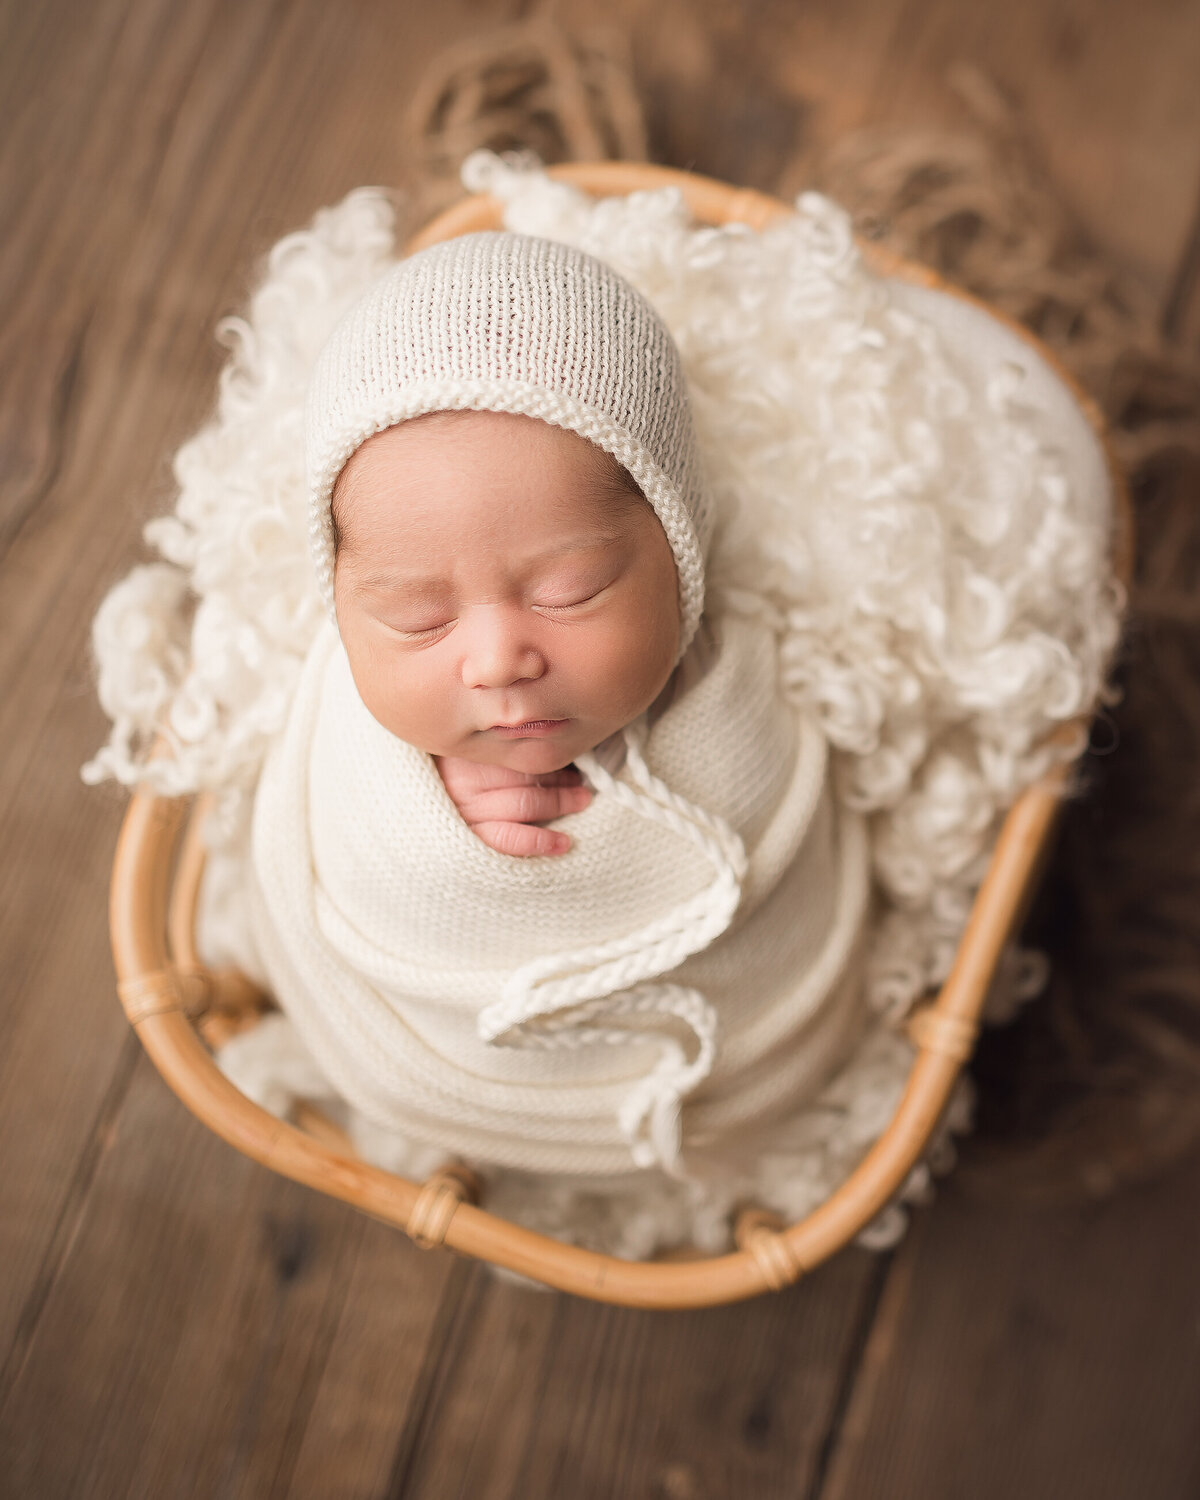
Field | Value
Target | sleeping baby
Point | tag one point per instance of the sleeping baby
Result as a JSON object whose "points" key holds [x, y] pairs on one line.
{"points": [[547, 872], [608, 822]]}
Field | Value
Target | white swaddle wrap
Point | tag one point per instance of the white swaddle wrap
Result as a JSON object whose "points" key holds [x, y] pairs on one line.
{"points": [[684, 972]]}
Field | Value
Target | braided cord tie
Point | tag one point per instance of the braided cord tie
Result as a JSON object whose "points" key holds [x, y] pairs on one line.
{"points": [[565, 999]]}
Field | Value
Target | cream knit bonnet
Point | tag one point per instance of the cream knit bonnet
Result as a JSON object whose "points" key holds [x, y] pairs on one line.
{"points": [[511, 323]]}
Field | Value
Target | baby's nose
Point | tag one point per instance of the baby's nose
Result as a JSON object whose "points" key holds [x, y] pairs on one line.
{"points": [[499, 653]]}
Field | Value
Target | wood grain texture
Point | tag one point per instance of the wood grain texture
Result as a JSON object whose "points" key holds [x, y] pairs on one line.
{"points": [[1106, 93], [544, 1395], [1035, 1353], [155, 151], [174, 1321], [138, 212], [221, 1308], [402, 1324]]}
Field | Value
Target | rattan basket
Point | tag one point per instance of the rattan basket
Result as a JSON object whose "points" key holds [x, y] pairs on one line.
{"points": [[177, 1006]]}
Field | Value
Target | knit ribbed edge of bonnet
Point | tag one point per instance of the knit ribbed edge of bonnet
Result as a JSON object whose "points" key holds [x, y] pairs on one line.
{"points": [[511, 323]]}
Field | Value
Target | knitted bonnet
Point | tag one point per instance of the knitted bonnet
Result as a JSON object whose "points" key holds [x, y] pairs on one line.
{"points": [[510, 323]]}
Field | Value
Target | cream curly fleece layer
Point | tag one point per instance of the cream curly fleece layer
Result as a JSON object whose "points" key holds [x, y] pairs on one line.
{"points": [[905, 493]]}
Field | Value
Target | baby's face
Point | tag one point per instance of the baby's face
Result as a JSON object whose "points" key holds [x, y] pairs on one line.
{"points": [[500, 597]]}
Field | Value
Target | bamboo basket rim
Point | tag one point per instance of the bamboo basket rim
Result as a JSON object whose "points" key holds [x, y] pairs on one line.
{"points": [[164, 989]]}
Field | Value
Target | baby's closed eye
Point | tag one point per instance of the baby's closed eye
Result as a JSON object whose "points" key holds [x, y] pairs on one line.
{"points": [[572, 596], [421, 632]]}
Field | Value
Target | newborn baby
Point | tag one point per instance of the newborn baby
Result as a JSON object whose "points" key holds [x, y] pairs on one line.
{"points": [[546, 869]]}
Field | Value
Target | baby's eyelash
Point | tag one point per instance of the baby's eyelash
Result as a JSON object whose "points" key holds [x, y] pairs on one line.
{"points": [[421, 635], [574, 604]]}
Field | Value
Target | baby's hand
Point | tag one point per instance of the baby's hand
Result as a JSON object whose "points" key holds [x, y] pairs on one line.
{"points": [[502, 807]]}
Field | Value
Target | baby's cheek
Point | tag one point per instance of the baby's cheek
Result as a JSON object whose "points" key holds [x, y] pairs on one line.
{"points": [[629, 663], [422, 704], [392, 685]]}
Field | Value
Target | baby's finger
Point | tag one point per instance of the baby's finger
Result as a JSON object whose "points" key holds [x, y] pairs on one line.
{"points": [[501, 777], [521, 839], [465, 778], [525, 804], [568, 776]]}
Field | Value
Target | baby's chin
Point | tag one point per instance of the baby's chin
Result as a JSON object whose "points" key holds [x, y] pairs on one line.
{"points": [[539, 754], [532, 757]]}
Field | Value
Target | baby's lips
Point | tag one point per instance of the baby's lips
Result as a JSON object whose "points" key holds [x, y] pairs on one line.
{"points": [[529, 728]]}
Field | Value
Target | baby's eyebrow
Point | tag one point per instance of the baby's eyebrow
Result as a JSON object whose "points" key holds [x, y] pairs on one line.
{"points": [[589, 543], [384, 580], [424, 586]]}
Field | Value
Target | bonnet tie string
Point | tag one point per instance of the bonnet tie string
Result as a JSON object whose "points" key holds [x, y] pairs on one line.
{"points": [[564, 1000]]}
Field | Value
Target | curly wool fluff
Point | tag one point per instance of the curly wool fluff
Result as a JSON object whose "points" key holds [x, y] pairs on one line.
{"points": [[205, 648], [943, 595]]}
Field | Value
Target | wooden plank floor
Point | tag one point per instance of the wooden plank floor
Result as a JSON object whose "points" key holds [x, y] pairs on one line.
{"points": [[173, 1320]]}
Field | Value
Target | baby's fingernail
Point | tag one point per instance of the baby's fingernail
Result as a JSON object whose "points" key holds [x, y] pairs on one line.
{"points": [[560, 844], [581, 797]]}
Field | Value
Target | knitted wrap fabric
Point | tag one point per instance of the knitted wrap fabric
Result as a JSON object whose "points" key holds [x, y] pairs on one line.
{"points": [[510, 323]]}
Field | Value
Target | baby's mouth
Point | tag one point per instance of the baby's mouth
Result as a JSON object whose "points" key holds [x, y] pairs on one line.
{"points": [[530, 729]]}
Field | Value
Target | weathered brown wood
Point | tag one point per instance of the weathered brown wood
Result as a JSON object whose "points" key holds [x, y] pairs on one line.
{"points": [[1001, 1358], [1180, 320], [547, 1396], [1039, 1353], [380, 1395], [1107, 94], [181, 1346], [155, 151], [739, 94]]}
